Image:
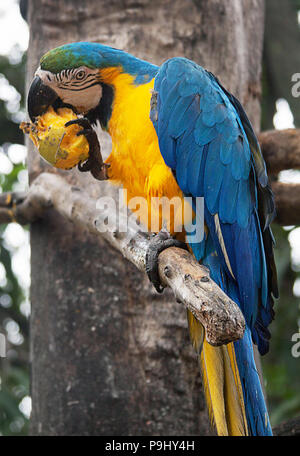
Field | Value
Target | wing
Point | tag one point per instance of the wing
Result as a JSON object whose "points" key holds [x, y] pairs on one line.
{"points": [[207, 140]]}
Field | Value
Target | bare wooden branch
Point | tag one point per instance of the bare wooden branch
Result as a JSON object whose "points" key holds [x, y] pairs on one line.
{"points": [[190, 282], [287, 198], [281, 149], [22, 207]]}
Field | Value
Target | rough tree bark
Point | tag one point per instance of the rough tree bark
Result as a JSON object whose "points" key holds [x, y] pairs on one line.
{"points": [[110, 357]]}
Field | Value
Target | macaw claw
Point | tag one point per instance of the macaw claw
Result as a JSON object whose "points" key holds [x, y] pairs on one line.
{"points": [[158, 243], [94, 163]]}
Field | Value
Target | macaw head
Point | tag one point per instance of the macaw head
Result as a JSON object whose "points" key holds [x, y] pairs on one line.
{"points": [[72, 76]]}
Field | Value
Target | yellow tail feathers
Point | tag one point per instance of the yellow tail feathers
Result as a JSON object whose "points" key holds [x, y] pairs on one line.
{"points": [[222, 385], [196, 332]]}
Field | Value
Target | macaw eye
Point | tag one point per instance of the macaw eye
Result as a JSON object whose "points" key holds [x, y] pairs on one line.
{"points": [[80, 75]]}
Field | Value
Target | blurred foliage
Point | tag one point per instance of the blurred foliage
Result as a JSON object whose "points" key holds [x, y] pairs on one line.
{"points": [[14, 74], [14, 369]]}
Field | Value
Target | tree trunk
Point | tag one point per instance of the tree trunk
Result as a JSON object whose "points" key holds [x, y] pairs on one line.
{"points": [[109, 355]]}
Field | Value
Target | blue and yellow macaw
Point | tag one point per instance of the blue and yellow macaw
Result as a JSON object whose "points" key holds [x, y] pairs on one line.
{"points": [[177, 132]]}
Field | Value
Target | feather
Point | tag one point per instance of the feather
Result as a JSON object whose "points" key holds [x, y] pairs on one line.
{"points": [[217, 157]]}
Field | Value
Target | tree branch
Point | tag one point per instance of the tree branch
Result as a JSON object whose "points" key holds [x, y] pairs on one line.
{"points": [[287, 199], [281, 149], [178, 269], [22, 208]]}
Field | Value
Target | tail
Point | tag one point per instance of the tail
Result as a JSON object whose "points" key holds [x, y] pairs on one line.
{"points": [[231, 384]]}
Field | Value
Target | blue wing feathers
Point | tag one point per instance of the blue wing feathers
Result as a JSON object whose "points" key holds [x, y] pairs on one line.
{"points": [[213, 176], [183, 115], [225, 152], [228, 197], [208, 141], [256, 412], [194, 168], [228, 129], [195, 111], [204, 134], [220, 113]]}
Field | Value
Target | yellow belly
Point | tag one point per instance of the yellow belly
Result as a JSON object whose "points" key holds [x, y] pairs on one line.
{"points": [[137, 164]]}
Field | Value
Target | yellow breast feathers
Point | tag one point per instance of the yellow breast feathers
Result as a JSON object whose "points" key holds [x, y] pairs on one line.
{"points": [[135, 160]]}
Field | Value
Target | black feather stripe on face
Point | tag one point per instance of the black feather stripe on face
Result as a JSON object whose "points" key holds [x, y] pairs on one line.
{"points": [[78, 88], [103, 111]]}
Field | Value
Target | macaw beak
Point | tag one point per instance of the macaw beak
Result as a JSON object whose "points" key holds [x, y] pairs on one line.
{"points": [[40, 97]]}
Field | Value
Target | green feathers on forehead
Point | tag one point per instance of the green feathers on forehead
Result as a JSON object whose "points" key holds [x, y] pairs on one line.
{"points": [[63, 58], [95, 55]]}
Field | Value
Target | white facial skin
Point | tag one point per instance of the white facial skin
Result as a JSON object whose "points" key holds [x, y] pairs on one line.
{"points": [[78, 87]]}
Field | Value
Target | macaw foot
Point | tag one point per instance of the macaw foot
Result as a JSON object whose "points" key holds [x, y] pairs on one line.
{"points": [[94, 163], [158, 243]]}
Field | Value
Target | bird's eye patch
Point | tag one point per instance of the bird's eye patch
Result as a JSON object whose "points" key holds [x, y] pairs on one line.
{"points": [[80, 75]]}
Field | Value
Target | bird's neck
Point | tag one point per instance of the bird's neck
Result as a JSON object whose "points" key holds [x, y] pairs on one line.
{"points": [[134, 141], [135, 161], [120, 88], [130, 105]]}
